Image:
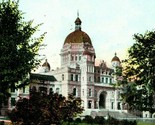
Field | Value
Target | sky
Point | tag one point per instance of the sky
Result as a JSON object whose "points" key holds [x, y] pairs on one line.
{"points": [[110, 24]]}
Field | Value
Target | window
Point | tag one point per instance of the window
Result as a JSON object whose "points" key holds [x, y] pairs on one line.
{"points": [[76, 77], [90, 79], [112, 105], [76, 57], [90, 92], [98, 79], [106, 80], [94, 79], [74, 92], [51, 90], [72, 77], [13, 101], [110, 80], [118, 105], [62, 77], [102, 79], [89, 104], [79, 57], [23, 89]]}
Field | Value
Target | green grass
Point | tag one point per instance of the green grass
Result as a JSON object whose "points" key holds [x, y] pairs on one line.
{"points": [[146, 123]]}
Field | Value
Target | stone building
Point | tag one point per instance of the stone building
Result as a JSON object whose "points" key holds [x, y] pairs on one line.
{"points": [[78, 74]]}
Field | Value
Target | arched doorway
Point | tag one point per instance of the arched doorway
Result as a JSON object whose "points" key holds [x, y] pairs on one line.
{"points": [[102, 100]]}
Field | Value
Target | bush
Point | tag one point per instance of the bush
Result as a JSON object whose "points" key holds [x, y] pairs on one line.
{"points": [[88, 119], [99, 120], [78, 120]]}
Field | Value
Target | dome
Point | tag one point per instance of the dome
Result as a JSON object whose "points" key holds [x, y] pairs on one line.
{"points": [[46, 64], [115, 58], [78, 36]]}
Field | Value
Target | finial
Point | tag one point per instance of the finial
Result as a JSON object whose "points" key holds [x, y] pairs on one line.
{"points": [[115, 54], [77, 13]]}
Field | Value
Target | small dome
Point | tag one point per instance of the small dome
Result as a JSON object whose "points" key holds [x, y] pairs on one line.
{"points": [[46, 64], [115, 58]]}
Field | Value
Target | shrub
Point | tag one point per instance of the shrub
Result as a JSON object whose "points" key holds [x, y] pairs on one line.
{"points": [[78, 120], [88, 119], [99, 120]]}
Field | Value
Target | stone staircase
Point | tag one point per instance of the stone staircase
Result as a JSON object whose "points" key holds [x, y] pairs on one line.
{"points": [[114, 114]]}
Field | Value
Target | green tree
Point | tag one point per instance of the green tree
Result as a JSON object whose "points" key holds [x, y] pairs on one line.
{"points": [[139, 93], [18, 47], [43, 109]]}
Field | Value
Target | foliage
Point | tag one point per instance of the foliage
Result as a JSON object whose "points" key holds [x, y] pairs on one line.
{"points": [[140, 69], [18, 47], [45, 109], [88, 119], [99, 120]]}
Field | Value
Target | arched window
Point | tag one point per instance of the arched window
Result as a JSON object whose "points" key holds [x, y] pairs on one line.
{"points": [[34, 89], [74, 91], [51, 90]]}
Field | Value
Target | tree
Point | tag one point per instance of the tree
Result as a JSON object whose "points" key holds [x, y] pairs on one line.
{"points": [[139, 93], [43, 109], [18, 47]]}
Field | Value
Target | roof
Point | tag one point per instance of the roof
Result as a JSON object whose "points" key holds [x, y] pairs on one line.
{"points": [[78, 36], [115, 58], [42, 77], [46, 64]]}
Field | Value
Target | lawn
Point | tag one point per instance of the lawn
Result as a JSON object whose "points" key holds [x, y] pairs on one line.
{"points": [[146, 123]]}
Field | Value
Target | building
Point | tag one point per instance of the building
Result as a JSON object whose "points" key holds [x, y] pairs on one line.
{"points": [[78, 74]]}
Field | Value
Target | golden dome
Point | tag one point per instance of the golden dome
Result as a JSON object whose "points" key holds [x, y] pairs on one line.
{"points": [[115, 58], [78, 36]]}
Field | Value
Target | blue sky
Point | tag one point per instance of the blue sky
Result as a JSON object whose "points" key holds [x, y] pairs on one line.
{"points": [[110, 24]]}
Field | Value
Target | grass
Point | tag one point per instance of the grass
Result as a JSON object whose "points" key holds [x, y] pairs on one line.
{"points": [[146, 123]]}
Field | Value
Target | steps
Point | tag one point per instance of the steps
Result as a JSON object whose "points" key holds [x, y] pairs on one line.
{"points": [[114, 114]]}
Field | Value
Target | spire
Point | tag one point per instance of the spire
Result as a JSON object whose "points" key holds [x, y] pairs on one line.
{"points": [[78, 22], [77, 13]]}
